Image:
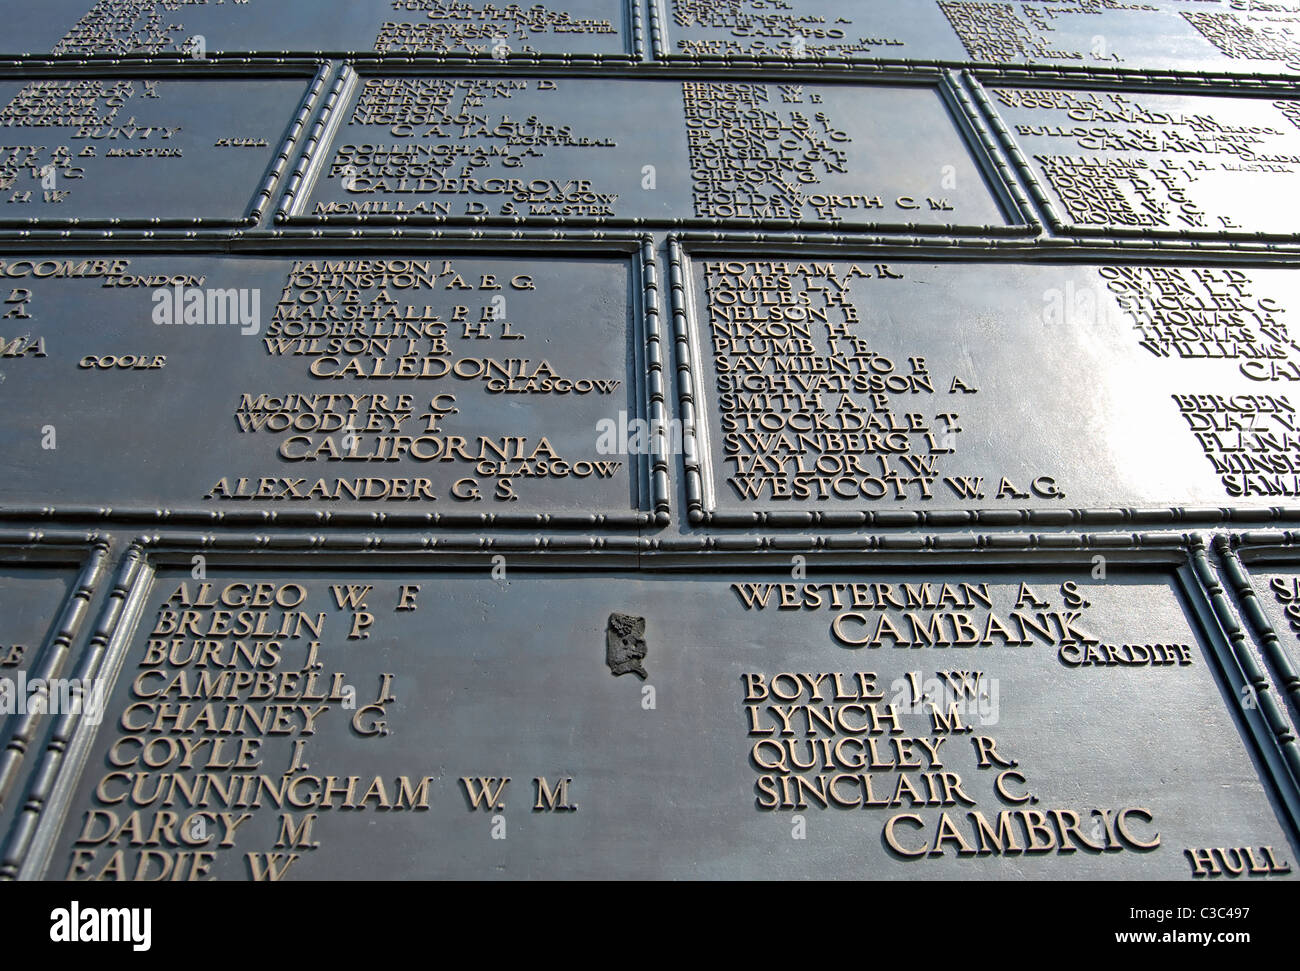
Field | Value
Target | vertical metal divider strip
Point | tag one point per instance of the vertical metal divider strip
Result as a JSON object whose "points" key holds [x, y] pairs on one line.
{"points": [[653, 379], [290, 144], [32, 839], [658, 44], [990, 158], [52, 661], [1257, 619], [636, 46], [692, 431], [1270, 727], [311, 159], [1046, 206]]}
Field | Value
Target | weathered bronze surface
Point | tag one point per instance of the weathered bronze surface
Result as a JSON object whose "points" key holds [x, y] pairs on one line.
{"points": [[42, 600], [1168, 34], [939, 723], [452, 385], [473, 28], [1156, 163], [141, 150], [574, 151], [904, 395], [879, 385], [1187, 35]]}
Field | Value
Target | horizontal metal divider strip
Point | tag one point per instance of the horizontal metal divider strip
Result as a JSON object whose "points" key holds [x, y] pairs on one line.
{"points": [[42, 539], [430, 237], [404, 538], [341, 518], [306, 242], [601, 65], [1164, 547], [923, 519], [1045, 249]]}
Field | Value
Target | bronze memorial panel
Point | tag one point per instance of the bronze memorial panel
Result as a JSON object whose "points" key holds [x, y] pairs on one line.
{"points": [[799, 440], [142, 28], [444, 386], [966, 722], [135, 151], [581, 150], [873, 385], [1188, 35], [1157, 163]]}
